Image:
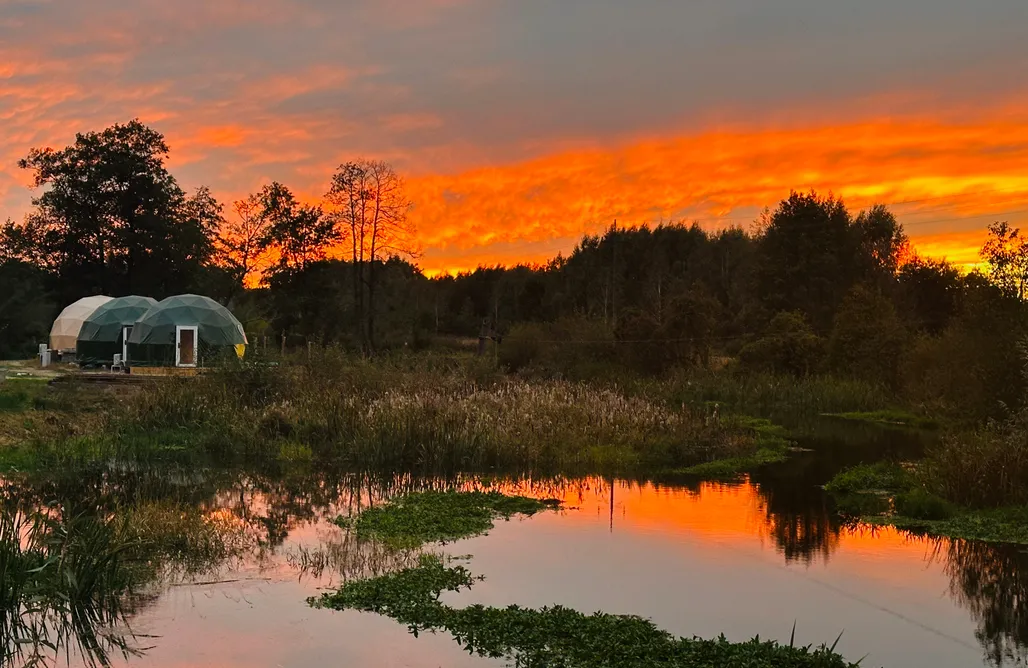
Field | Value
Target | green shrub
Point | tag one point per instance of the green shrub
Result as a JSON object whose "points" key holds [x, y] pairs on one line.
{"points": [[921, 505], [788, 346], [867, 339], [571, 348], [882, 476]]}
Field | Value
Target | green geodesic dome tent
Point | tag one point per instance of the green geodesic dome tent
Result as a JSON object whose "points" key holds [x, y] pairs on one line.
{"points": [[154, 339], [100, 337]]}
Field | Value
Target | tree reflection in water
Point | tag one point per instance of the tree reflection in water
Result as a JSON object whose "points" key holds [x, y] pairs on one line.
{"points": [[81, 555], [991, 581]]}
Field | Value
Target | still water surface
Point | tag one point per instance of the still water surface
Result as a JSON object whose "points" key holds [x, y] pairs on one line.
{"points": [[743, 559]]}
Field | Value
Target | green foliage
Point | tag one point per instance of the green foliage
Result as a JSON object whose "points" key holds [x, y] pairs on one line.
{"points": [[433, 516], [927, 293], [554, 636], [569, 348], [1006, 253], [26, 307], [110, 218], [918, 504], [410, 595], [788, 346], [763, 393], [772, 447], [881, 476], [298, 233], [806, 257], [969, 369], [867, 339]]}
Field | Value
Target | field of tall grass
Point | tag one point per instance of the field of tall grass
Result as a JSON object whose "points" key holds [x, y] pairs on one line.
{"points": [[387, 415]]}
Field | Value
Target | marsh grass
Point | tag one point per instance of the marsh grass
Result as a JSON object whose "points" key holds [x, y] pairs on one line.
{"points": [[412, 520], [552, 636], [767, 394], [63, 585], [396, 416]]}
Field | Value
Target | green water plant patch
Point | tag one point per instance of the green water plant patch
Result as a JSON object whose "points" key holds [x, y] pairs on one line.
{"points": [[440, 516], [553, 636], [877, 477]]}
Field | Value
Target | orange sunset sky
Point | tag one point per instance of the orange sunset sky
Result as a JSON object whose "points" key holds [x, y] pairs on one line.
{"points": [[522, 124]]}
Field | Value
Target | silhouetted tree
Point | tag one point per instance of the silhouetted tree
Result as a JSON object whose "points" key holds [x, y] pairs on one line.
{"points": [[1006, 253], [298, 234], [370, 208], [806, 256], [111, 218]]}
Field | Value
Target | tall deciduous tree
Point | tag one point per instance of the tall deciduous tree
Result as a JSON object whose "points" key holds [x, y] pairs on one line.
{"points": [[299, 234], [806, 257], [241, 240], [370, 209], [882, 243], [112, 219], [1006, 253]]}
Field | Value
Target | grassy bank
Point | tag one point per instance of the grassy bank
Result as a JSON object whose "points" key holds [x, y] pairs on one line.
{"points": [[393, 415], [888, 494]]}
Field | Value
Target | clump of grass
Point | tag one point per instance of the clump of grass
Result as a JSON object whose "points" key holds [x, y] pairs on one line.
{"points": [[877, 477], [772, 445], [887, 494], [554, 636], [63, 587], [986, 469], [295, 453], [434, 516], [889, 417], [918, 504]]}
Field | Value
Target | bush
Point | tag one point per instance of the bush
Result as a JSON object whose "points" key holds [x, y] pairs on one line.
{"points": [[570, 348], [882, 476], [867, 338], [788, 346], [921, 505]]}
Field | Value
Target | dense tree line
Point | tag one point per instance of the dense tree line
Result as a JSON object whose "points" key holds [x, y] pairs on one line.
{"points": [[813, 288]]}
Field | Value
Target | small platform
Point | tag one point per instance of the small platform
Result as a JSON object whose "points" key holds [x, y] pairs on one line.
{"points": [[151, 371]]}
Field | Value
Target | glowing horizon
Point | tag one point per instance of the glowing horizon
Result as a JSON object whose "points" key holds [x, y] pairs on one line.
{"points": [[521, 127]]}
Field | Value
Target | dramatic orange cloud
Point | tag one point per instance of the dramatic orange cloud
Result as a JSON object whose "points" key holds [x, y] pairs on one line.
{"points": [[946, 182]]}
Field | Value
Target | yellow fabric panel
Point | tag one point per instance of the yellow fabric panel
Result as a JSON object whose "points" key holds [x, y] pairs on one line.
{"points": [[240, 350]]}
